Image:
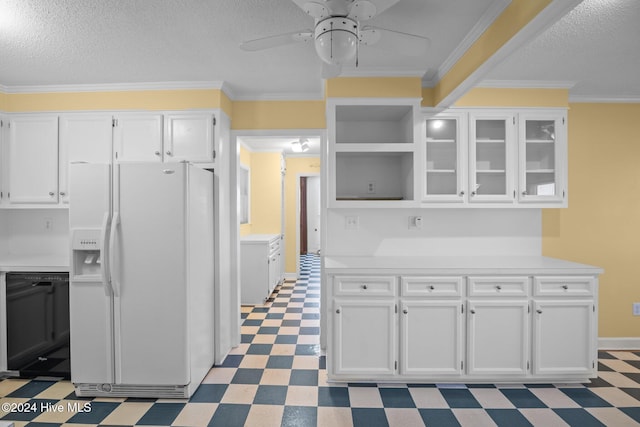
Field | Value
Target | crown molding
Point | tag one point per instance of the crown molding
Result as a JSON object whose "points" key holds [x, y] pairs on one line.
{"points": [[113, 87], [583, 99], [526, 84], [493, 11]]}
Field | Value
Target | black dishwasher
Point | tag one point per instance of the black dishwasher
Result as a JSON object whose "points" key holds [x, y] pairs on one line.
{"points": [[38, 324]]}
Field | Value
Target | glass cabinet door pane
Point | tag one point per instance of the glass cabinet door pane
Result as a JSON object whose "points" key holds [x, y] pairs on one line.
{"points": [[540, 161], [442, 157], [491, 158]]}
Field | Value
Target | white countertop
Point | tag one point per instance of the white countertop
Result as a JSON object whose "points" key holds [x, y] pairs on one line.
{"points": [[45, 263], [259, 237], [457, 265]]}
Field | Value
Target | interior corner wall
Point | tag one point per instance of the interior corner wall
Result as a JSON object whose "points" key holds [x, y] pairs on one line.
{"points": [[296, 166], [601, 226]]}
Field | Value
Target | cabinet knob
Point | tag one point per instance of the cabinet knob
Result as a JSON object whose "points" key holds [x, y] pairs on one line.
{"points": [[472, 311], [169, 153], [51, 193], [157, 153], [405, 311], [473, 193], [539, 311], [338, 311], [524, 193], [364, 287], [431, 287], [565, 287], [461, 193], [62, 193], [498, 287]]}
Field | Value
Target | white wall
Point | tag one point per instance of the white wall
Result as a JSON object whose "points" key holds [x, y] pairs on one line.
{"points": [[445, 232]]}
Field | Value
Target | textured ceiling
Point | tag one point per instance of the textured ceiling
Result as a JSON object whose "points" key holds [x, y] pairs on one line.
{"points": [[594, 49], [64, 42]]}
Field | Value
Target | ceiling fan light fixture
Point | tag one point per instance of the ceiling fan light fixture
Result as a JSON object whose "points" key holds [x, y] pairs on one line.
{"points": [[336, 40]]}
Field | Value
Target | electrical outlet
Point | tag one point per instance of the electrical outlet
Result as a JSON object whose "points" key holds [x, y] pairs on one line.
{"points": [[415, 222], [48, 224], [371, 187], [351, 222], [636, 308]]}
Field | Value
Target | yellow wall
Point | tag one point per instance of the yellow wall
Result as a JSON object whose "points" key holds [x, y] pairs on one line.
{"points": [[245, 160], [264, 115], [378, 87], [266, 197], [179, 99], [295, 166], [601, 226], [507, 97]]}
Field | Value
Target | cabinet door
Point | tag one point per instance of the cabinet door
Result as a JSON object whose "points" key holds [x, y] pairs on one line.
{"points": [[542, 154], [563, 337], [33, 159], [431, 338], [4, 160], [364, 337], [83, 138], [138, 137], [189, 137], [498, 337], [445, 155], [491, 157]]}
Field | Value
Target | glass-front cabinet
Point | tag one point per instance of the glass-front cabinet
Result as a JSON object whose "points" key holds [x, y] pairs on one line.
{"points": [[445, 169], [541, 177], [492, 147]]}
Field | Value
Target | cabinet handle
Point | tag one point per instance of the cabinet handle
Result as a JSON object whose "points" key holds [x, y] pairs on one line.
{"points": [[565, 287], [405, 311], [338, 311], [157, 153], [539, 311], [524, 193], [51, 193], [169, 153], [364, 287]]}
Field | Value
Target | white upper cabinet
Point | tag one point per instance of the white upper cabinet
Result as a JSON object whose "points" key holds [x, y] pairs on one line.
{"points": [[492, 148], [189, 136], [138, 137], [542, 156], [445, 169], [4, 128], [83, 138], [33, 158], [371, 152]]}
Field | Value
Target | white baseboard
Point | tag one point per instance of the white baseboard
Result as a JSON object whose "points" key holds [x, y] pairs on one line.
{"points": [[619, 343], [290, 276]]}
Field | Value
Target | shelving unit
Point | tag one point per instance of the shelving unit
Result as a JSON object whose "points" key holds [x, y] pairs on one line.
{"points": [[372, 151]]}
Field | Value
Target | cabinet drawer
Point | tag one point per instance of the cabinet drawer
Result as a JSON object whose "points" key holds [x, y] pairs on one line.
{"points": [[364, 285], [274, 245], [558, 286], [498, 286], [431, 286]]}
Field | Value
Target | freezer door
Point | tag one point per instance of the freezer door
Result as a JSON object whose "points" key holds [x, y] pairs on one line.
{"points": [[90, 299], [149, 275]]}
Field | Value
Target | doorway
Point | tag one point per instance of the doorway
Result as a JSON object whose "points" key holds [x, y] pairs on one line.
{"points": [[310, 215]]}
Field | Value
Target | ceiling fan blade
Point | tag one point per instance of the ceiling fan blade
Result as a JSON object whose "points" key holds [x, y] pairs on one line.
{"points": [[405, 43], [278, 40], [362, 10], [315, 9], [382, 5], [330, 71]]}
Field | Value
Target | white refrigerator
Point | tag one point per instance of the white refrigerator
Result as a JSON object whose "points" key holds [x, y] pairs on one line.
{"points": [[141, 279]]}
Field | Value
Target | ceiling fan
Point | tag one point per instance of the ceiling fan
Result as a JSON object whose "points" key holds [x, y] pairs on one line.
{"points": [[338, 33]]}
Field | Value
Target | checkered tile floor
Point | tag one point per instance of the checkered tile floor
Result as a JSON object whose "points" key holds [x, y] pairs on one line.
{"points": [[277, 377]]}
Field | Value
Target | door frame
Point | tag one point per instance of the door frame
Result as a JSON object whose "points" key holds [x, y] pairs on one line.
{"points": [[299, 177]]}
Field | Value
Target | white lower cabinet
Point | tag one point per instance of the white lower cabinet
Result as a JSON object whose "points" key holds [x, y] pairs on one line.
{"points": [[261, 267], [497, 337], [462, 328], [364, 337], [431, 338]]}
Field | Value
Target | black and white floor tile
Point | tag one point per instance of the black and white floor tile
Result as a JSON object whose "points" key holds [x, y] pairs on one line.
{"points": [[277, 377]]}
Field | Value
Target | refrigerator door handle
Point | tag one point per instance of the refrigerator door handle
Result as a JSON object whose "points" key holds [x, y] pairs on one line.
{"points": [[104, 253], [115, 285]]}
